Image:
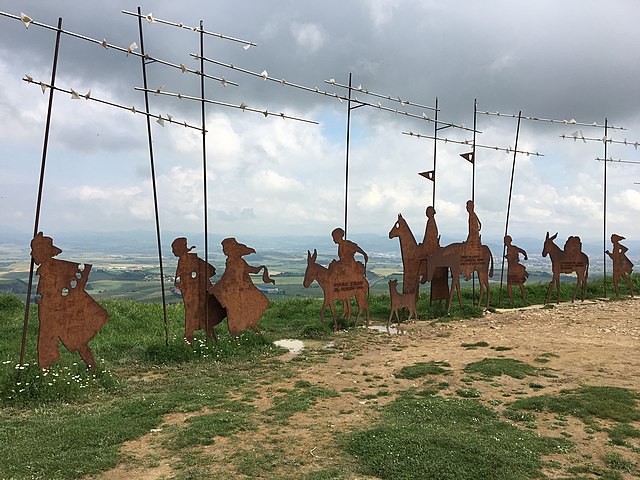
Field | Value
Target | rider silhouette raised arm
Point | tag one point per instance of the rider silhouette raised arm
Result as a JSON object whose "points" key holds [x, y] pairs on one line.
{"points": [[346, 248]]}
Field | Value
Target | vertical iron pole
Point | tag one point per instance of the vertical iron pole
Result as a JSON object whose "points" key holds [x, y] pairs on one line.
{"points": [[153, 176], [604, 208], [473, 182], [40, 188], [506, 223], [433, 197], [205, 279], [473, 165], [435, 150], [346, 174]]}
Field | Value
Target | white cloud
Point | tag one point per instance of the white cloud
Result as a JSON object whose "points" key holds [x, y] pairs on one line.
{"points": [[273, 182], [381, 11], [308, 36]]}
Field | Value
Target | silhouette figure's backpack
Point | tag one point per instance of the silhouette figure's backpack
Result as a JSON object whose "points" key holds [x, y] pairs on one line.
{"points": [[573, 245]]}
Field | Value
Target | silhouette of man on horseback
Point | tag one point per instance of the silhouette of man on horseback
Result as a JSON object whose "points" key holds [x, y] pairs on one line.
{"points": [[346, 270], [472, 248]]}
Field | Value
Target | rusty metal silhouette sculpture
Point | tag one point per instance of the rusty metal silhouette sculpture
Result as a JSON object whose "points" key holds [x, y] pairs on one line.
{"points": [[569, 260], [516, 272], [236, 292], [465, 258], [400, 301], [622, 266], [414, 255], [343, 279], [65, 309], [431, 244], [202, 310]]}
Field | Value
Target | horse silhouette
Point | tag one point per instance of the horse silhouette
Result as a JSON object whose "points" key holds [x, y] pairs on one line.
{"points": [[457, 258], [337, 288], [569, 260], [413, 256]]}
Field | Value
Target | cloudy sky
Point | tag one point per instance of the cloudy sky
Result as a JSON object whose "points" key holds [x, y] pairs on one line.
{"points": [[576, 59]]}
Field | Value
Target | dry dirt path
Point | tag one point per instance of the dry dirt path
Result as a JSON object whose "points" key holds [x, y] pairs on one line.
{"points": [[591, 343]]}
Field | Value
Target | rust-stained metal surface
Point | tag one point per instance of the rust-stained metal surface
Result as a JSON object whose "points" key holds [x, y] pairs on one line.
{"points": [[400, 301], [343, 279], [516, 272], [236, 292], [464, 258], [568, 260], [622, 266], [414, 257], [202, 310], [65, 310]]}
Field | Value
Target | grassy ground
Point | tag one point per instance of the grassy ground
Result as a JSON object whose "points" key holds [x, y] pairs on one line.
{"points": [[237, 396]]}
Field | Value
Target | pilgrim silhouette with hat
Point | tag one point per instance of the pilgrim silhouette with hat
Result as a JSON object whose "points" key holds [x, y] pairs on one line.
{"points": [[244, 303], [202, 311], [65, 310], [622, 266], [516, 272]]}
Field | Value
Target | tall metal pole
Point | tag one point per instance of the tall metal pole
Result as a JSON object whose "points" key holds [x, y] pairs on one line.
{"points": [[506, 223], [435, 150], [205, 279], [604, 207], [346, 175], [473, 174], [153, 176], [40, 188], [473, 182]]}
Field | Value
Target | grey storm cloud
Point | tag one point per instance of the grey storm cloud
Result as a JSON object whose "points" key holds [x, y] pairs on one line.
{"points": [[576, 59], [546, 58]]}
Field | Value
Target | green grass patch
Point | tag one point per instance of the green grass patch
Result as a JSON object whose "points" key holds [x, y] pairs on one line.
{"points": [[422, 369], [30, 386], [501, 349], [494, 367], [586, 403], [201, 429], [473, 345], [621, 432], [615, 461], [447, 438], [66, 442], [300, 399], [468, 393], [246, 346]]}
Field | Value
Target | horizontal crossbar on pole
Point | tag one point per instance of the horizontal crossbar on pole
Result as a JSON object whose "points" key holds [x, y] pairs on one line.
{"points": [[578, 136], [470, 143], [88, 96], [616, 160], [550, 120], [242, 106], [129, 51], [265, 76], [151, 19], [359, 88]]}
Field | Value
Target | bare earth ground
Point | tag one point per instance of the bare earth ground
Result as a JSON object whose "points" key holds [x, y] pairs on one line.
{"points": [[592, 343]]}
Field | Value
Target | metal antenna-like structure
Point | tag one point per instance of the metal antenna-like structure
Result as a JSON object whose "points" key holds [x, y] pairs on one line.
{"points": [[203, 110], [27, 21], [203, 102], [506, 223], [346, 173], [578, 135], [352, 104], [153, 181], [40, 188], [604, 212]]}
